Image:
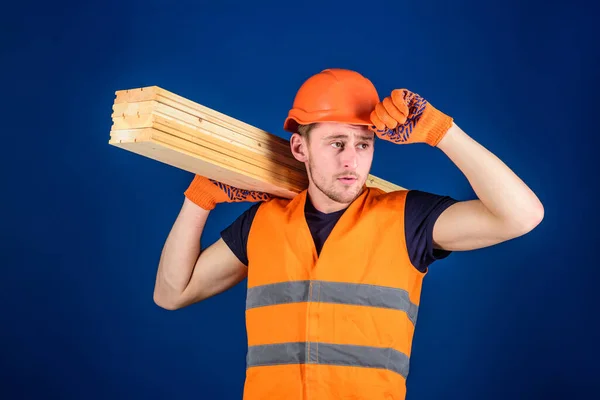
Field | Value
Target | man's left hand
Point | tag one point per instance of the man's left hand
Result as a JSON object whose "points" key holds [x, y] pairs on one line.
{"points": [[405, 117]]}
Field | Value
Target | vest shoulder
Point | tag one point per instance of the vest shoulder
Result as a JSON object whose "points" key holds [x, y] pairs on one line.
{"points": [[276, 202], [376, 196], [275, 206]]}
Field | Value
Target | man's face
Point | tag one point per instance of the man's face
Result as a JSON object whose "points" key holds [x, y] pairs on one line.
{"points": [[339, 160]]}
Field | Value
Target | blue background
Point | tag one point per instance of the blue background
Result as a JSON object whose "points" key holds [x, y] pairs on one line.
{"points": [[84, 223]]}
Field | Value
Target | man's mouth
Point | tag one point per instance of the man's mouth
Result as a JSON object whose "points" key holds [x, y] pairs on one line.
{"points": [[347, 179]]}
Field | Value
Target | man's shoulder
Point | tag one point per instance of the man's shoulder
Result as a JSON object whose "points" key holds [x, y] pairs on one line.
{"points": [[408, 195], [415, 204], [422, 210], [419, 200]]}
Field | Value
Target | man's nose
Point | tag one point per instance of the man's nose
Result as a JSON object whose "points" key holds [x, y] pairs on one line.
{"points": [[349, 157]]}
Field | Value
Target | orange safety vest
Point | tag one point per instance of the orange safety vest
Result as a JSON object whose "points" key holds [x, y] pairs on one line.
{"points": [[335, 326]]}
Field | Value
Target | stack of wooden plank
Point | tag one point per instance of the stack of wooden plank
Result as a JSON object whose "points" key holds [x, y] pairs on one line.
{"points": [[168, 128]]}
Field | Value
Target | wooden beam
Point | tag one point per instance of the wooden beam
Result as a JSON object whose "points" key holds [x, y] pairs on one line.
{"points": [[168, 128]]}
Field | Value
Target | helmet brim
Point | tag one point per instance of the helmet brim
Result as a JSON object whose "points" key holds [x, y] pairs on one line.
{"points": [[293, 121]]}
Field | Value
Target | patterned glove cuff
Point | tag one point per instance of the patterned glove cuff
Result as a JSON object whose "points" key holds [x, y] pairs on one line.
{"points": [[437, 124], [203, 193]]}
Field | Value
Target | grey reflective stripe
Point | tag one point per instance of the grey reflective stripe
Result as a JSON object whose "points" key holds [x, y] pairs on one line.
{"points": [[328, 354], [332, 292]]}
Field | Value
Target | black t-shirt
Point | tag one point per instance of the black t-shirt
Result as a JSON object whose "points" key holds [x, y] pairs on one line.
{"points": [[421, 211]]}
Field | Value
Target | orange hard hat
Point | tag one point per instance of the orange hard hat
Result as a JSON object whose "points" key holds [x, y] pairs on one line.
{"points": [[333, 95]]}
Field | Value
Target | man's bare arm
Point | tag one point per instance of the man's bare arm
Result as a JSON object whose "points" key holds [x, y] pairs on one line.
{"points": [[506, 207], [188, 274]]}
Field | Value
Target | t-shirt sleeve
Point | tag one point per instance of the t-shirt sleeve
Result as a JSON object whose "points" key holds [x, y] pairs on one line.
{"points": [[236, 234], [422, 209]]}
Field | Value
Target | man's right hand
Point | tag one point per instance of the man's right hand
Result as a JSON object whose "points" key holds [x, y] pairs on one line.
{"points": [[188, 273], [207, 193]]}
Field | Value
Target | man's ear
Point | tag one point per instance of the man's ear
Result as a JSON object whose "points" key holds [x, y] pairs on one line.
{"points": [[298, 147]]}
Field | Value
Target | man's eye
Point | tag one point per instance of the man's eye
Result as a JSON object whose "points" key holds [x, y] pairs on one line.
{"points": [[335, 144]]}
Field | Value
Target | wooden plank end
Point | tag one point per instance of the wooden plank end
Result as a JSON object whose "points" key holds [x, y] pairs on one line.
{"points": [[136, 94]]}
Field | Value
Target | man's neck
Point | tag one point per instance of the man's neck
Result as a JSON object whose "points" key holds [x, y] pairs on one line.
{"points": [[323, 203]]}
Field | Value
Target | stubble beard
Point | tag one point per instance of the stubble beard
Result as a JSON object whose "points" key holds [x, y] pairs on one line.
{"points": [[340, 196]]}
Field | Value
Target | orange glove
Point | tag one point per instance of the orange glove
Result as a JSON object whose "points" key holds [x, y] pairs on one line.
{"points": [[207, 193], [405, 117]]}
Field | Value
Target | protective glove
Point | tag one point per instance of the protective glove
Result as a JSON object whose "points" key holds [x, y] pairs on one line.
{"points": [[207, 193], [405, 117]]}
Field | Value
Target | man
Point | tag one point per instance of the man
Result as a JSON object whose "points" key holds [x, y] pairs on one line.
{"points": [[335, 274]]}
